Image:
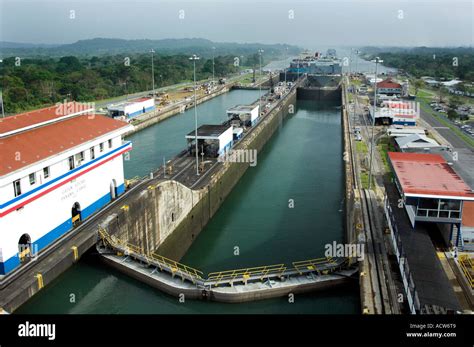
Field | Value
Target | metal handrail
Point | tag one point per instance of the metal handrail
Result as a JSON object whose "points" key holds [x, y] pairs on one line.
{"points": [[244, 274], [320, 265]]}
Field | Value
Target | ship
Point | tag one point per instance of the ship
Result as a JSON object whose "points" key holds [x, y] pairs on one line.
{"points": [[322, 70]]}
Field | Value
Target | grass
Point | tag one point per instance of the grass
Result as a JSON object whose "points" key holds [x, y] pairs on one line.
{"points": [[364, 179], [361, 147], [384, 146]]}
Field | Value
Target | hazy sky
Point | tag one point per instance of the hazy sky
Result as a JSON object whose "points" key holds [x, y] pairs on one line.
{"points": [[310, 23]]}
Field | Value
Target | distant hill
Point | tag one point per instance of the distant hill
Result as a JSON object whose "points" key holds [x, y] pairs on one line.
{"points": [[106, 46]]}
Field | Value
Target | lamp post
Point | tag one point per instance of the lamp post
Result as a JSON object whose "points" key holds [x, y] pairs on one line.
{"points": [[286, 57], [260, 52], [1, 94], [194, 58], [152, 51], [357, 52], [377, 60], [213, 53]]}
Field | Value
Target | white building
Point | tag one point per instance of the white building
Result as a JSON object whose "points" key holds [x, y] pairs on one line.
{"points": [[58, 166], [396, 112], [246, 113], [416, 143], [213, 139], [131, 109], [400, 131]]}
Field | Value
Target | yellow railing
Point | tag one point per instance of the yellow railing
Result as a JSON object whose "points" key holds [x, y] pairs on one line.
{"points": [[467, 268], [312, 264], [260, 272], [215, 278], [175, 267], [163, 263]]}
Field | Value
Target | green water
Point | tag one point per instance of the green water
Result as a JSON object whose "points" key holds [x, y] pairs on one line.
{"points": [[302, 162]]}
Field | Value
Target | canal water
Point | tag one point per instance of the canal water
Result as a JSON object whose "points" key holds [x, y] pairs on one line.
{"points": [[284, 209]]}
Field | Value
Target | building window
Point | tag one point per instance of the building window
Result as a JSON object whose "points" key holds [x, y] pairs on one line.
{"points": [[17, 187], [46, 172], [32, 178], [71, 163], [92, 153], [110, 143], [79, 158], [101, 147]]}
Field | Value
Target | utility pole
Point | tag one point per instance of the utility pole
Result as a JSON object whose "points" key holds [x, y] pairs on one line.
{"points": [[260, 52], [152, 51], [194, 58], [1, 94], [213, 53], [377, 60]]}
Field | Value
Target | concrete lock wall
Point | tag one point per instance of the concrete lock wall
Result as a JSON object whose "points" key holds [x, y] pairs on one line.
{"points": [[319, 94], [168, 217], [181, 238]]}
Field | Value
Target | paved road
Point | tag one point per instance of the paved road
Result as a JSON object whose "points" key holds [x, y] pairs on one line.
{"points": [[444, 131]]}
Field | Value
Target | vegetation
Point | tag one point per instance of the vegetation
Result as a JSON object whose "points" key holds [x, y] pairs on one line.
{"points": [[36, 82], [361, 147], [103, 46], [440, 63], [36, 75], [384, 146]]}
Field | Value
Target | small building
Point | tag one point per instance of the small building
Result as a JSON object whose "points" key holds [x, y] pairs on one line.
{"points": [[59, 165], [431, 191], [213, 140], [389, 87], [416, 143], [400, 130], [130, 109], [370, 79], [395, 112], [247, 114]]}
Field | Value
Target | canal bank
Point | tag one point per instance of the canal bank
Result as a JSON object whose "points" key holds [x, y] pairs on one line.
{"points": [[254, 223]]}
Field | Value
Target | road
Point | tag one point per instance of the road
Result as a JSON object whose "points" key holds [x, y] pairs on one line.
{"points": [[444, 131]]}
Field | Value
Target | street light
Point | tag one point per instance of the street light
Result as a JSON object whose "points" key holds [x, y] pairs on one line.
{"points": [[152, 51], [357, 52], [260, 52], [286, 57], [1, 94], [194, 58], [213, 53], [377, 60]]}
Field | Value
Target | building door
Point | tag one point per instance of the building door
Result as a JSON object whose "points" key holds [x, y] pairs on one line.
{"points": [[76, 214], [24, 247], [113, 189]]}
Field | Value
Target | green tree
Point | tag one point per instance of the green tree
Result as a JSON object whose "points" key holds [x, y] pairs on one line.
{"points": [[418, 84], [452, 114]]}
